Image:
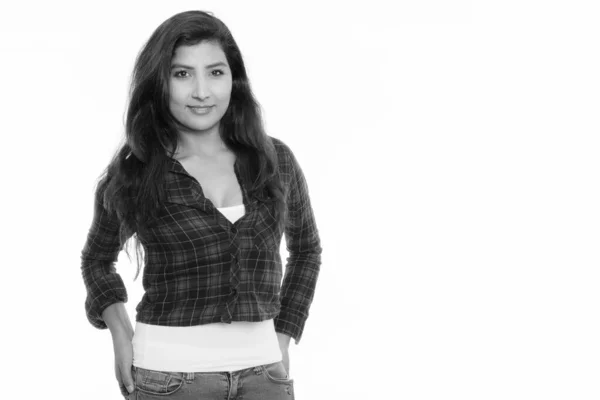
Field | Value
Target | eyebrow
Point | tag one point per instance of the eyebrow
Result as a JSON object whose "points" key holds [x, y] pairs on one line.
{"points": [[217, 64]]}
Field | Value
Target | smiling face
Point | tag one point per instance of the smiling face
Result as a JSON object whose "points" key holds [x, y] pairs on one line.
{"points": [[199, 76]]}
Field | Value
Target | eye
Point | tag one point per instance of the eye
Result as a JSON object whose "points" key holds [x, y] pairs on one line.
{"points": [[178, 72], [219, 70]]}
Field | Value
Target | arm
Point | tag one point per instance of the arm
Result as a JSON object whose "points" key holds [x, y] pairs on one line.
{"points": [[103, 284], [304, 261], [284, 340], [116, 318]]}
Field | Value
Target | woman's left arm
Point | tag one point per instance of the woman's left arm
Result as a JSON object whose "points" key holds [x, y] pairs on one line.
{"points": [[304, 261]]}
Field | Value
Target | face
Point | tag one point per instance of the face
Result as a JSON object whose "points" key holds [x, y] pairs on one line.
{"points": [[199, 76]]}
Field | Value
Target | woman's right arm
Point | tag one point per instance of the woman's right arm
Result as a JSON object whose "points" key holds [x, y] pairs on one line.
{"points": [[106, 292], [103, 284]]}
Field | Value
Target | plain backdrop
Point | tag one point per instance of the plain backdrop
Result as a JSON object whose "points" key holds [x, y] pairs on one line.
{"points": [[451, 152]]}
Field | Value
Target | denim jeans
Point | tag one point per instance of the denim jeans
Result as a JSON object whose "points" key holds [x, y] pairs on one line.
{"points": [[263, 382]]}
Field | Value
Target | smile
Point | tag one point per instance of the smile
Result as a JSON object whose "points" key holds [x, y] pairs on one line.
{"points": [[200, 110]]}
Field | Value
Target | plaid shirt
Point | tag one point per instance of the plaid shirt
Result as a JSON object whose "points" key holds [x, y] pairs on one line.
{"points": [[201, 268]]}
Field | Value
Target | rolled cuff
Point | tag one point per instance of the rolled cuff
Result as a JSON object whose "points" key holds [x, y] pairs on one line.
{"points": [[291, 323], [94, 307]]}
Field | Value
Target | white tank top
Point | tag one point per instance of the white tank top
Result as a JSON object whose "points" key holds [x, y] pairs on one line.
{"points": [[209, 347]]}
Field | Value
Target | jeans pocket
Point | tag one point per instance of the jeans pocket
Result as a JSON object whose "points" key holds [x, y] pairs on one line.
{"points": [[276, 373], [158, 383]]}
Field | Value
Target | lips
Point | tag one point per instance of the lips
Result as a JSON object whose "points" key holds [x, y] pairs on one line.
{"points": [[200, 110]]}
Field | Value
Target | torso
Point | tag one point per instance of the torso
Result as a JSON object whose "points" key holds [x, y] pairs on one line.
{"points": [[216, 177]]}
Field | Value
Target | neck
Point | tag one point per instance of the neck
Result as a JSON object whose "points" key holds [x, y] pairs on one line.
{"points": [[206, 144]]}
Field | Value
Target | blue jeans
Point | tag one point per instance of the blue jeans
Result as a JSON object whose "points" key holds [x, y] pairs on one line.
{"points": [[264, 382]]}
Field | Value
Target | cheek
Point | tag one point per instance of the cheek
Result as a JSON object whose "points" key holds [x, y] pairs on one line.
{"points": [[176, 96], [223, 91], [174, 107]]}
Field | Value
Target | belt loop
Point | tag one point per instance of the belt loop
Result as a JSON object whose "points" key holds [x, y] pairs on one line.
{"points": [[189, 377]]}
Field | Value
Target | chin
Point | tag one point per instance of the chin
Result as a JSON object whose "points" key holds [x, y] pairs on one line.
{"points": [[202, 127]]}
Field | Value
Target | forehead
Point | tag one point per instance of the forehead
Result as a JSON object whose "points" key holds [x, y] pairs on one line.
{"points": [[201, 53]]}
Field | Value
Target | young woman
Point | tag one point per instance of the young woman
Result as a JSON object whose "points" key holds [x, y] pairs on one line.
{"points": [[208, 195]]}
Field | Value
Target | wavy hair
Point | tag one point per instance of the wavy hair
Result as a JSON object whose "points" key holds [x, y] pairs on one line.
{"points": [[132, 185]]}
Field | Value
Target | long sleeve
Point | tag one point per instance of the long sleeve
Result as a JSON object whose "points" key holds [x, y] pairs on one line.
{"points": [[103, 284], [304, 261]]}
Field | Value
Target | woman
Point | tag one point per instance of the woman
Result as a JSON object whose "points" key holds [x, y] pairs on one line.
{"points": [[208, 195]]}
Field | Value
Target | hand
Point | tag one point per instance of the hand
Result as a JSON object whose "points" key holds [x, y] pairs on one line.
{"points": [[123, 360]]}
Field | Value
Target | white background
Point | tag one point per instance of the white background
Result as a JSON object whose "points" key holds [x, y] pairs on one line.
{"points": [[451, 149]]}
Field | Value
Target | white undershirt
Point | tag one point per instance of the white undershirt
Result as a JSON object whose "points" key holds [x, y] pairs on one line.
{"points": [[209, 347]]}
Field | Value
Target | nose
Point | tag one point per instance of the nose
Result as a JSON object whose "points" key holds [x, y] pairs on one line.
{"points": [[201, 89]]}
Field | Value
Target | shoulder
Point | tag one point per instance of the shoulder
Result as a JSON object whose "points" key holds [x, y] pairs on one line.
{"points": [[280, 146], [284, 153], [286, 162]]}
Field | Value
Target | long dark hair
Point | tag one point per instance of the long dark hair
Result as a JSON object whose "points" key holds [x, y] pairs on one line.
{"points": [[133, 182]]}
